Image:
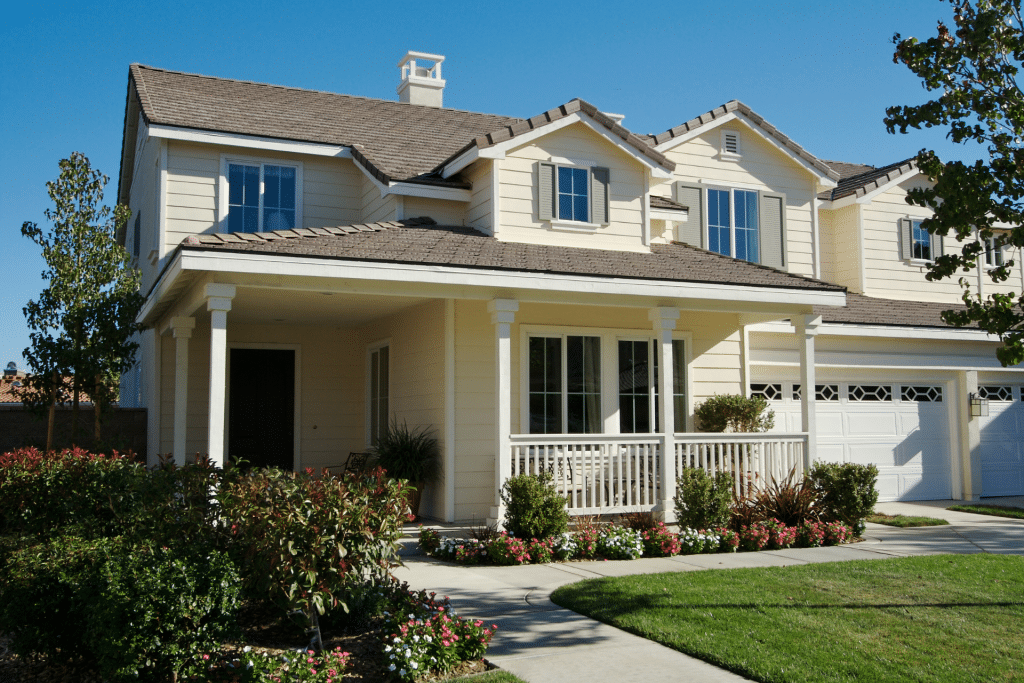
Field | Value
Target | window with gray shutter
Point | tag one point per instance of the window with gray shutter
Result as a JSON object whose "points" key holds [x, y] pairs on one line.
{"points": [[692, 196], [773, 229], [545, 190], [599, 178], [906, 239]]}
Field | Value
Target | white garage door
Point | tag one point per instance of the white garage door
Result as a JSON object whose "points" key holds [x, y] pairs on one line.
{"points": [[903, 429], [1002, 441]]}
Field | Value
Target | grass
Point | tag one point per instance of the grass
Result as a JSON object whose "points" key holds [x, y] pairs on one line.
{"points": [[489, 677], [941, 618], [994, 510], [904, 521]]}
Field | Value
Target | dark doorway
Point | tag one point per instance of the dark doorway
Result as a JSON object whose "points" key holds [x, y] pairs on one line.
{"points": [[261, 407]]}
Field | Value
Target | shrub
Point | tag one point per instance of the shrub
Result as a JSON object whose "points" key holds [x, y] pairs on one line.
{"points": [[702, 502], [430, 540], [728, 540], [563, 546], [506, 550], [837, 533], [791, 501], [303, 542], [693, 541], [754, 537], [660, 542], [847, 490], [779, 535], [810, 534], [620, 543], [158, 611], [735, 413], [71, 491], [541, 551], [586, 531], [533, 508]]}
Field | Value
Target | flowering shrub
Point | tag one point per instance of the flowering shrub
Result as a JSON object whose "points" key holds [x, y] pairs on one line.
{"points": [[563, 546], [810, 534], [620, 543], [541, 551], [779, 535], [425, 634], [754, 536], [728, 540], [693, 541], [252, 666], [507, 549], [587, 542], [660, 542], [430, 540], [836, 533]]}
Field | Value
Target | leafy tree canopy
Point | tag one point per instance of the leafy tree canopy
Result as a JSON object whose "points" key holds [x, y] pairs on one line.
{"points": [[971, 67]]}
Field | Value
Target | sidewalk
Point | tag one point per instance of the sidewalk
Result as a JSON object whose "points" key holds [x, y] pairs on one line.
{"points": [[543, 643]]}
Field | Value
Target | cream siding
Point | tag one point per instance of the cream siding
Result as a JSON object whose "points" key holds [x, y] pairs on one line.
{"points": [[480, 211], [444, 211], [840, 247], [143, 198], [887, 275], [376, 207], [762, 167], [519, 195]]}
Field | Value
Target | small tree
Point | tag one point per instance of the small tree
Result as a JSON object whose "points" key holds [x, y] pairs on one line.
{"points": [[972, 68], [83, 321]]}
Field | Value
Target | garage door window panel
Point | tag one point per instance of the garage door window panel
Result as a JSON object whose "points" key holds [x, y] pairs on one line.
{"points": [[870, 392]]}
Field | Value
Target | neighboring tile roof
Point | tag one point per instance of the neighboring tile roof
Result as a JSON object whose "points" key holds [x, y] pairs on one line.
{"points": [[859, 179], [399, 141], [737, 106], [9, 393], [865, 310], [577, 105], [664, 203], [421, 240]]}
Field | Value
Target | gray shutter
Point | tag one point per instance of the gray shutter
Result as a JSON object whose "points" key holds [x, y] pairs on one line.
{"points": [[772, 209], [937, 244], [545, 191], [599, 195], [906, 239], [691, 195]]}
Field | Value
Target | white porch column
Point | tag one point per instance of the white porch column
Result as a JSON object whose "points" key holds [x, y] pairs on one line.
{"points": [[968, 431], [806, 329], [218, 303], [182, 328], [503, 313], [664, 320]]}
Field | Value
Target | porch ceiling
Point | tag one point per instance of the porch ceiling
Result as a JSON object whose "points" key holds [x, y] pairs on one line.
{"points": [[255, 305]]}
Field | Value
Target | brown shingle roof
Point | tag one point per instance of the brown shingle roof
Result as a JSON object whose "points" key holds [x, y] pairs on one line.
{"points": [[666, 203], [399, 141], [865, 310], [859, 179], [737, 106], [421, 241]]}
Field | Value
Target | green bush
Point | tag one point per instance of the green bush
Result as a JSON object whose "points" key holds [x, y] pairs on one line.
{"points": [[303, 542], [71, 491], [533, 507], [158, 610], [703, 502], [735, 413], [847, 490]]}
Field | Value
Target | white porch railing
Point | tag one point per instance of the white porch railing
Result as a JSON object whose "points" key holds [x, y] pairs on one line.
{"points": [[598, 473], [752, 459], [608, 473]]}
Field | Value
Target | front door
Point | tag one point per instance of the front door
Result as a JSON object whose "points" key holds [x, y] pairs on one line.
{"points": [[261, 407]]}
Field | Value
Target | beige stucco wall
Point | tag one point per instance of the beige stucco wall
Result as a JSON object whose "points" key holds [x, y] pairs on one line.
{"points": [[761, 167], [582, 146]]}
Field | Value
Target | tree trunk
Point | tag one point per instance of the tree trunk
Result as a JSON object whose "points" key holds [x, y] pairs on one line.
{"points": [[96, 407], [53, 410]]}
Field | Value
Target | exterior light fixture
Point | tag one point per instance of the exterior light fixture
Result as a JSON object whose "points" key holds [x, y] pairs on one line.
{"points": [[979, 406]]}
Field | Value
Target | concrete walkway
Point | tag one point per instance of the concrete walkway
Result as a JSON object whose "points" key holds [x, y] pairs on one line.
{"points": [[543, 643]]}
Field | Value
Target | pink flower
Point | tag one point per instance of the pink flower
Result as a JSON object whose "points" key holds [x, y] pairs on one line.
{"points": [[206, 656]]}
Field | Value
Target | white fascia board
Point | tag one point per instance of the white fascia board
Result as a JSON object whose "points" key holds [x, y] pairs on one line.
{"points": [[868, 197], [669, 215], [250, 141], [953, 366], [454, 194], [824, 180], [290, 266], [498, 151], [858, 330], [160, 289]]}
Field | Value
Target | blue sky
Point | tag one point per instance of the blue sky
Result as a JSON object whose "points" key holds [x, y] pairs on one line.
{"points": [[820, 72]]}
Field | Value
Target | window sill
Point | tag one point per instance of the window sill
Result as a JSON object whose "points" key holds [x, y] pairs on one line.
{"points": [[574, 226], [920, 263], [729, 156]]}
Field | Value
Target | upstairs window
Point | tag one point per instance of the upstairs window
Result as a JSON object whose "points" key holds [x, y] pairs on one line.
{"points": [[573, 194], [922, 242], [993, 253], [261, 197], [570, 195], [733, 224], [916, 243], [137, 236]]}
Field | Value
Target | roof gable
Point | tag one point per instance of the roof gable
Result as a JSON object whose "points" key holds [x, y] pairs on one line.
{"points": [[859, 181], [735, 110]]}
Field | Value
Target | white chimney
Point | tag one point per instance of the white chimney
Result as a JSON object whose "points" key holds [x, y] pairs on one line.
{"points": [[421, 79]]}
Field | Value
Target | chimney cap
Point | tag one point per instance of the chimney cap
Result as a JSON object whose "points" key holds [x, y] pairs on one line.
{"points": [[412, 54]]}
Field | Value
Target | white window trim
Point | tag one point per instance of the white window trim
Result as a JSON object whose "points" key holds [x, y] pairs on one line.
{"points": [[368, 368], [731, 189], [724, 153], [988, 245], [567, 224], [610, 338], [223, 187], [921, 262]]}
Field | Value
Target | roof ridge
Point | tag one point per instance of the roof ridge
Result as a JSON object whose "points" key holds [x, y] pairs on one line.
{"points": [[314, 90]]}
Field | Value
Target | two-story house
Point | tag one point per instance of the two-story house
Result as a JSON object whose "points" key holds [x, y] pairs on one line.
{"points": [[316, 265]]}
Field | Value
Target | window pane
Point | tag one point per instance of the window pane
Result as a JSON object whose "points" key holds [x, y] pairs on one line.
{"points": [[545, 385], [922, 242], [272, 186], [374, 396], [583, 379], [243, 198], [746, 225], [719, 222], [278, 219], [634, 387], [679, 384], [250, 219], [572, 194]]}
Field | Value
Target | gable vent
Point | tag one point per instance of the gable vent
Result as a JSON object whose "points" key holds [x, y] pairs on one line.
{"points": [[730, 142]]}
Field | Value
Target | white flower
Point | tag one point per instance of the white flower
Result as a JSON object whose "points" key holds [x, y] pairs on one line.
{"points": [[391, 668], [247, 648], [415, 665]]}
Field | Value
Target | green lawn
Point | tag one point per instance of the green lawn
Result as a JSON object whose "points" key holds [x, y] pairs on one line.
{"points": [[489, 677], [904, 521], [994, 510], [942, 618]]}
